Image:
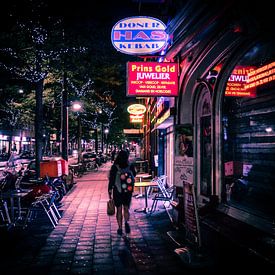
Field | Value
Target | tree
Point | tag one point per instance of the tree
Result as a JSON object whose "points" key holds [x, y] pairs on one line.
{"points": [[37, 46], [41, 49]]}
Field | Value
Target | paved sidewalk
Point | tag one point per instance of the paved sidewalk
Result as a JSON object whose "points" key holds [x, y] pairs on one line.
{"points": [[86, 242]]}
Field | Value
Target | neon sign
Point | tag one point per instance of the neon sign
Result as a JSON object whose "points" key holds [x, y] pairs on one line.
{"points": [[152, 79], [136, 118], [236, 83], [261, 76], [139, 35], [136, 109]]}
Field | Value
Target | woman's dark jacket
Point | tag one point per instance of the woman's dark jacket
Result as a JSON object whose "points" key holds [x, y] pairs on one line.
{"points": [[112, 176]]}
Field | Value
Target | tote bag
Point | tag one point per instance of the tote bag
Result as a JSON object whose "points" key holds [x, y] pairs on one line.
{"points": [[110, 207]]}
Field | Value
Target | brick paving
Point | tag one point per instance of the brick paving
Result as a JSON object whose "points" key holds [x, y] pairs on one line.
{"points": [[86, 242]]}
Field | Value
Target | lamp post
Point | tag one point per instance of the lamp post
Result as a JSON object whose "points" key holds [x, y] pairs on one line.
{"points": [[106, 132], [77, 107]]}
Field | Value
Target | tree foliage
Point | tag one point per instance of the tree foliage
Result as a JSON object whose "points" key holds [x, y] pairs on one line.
{"points": [[40, 46]]}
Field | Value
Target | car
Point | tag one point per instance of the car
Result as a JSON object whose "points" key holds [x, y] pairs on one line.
{"points": [[88, 156]]}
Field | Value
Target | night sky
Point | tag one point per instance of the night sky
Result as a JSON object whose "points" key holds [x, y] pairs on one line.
{"points": [[99, 10]]}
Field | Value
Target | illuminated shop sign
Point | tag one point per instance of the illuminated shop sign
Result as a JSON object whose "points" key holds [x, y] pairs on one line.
{"points": [[261, 76], [152, 79], [3, 137], [163, 118], [139, 35], [133, 131], [236, 83], [136, 109], [161, 106], [136, 118]]}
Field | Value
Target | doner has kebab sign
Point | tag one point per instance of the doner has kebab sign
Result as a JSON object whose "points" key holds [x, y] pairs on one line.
{"points": [[139, 35]]}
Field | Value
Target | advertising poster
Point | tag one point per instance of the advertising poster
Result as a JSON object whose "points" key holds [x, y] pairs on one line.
{"points": [[183, 165]]}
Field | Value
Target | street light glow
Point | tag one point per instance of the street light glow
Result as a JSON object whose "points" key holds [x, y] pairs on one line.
{"points": [[77, 106]]}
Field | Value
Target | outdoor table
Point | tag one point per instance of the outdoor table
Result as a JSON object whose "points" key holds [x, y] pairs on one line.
{"points": [[12, 196], [142, 176], [145, 184]]}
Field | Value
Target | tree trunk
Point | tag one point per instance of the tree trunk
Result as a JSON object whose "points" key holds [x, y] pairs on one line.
{"points": [[64, 120], [96, 140], [38, 125], [79, 139]]}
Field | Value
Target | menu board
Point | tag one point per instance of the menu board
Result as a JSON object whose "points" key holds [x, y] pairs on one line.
{"points": [[191, 214], [183, 163]]}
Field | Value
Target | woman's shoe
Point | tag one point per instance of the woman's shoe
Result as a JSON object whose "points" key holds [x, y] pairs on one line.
{"points": [[119, 231], [127, 228]]}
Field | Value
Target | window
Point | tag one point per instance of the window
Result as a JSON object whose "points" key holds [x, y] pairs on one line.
{"points": [[249, 133]]}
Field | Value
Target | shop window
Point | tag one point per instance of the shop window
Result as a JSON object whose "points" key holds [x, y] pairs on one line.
{"points": [[249, 133], [204, 143]]}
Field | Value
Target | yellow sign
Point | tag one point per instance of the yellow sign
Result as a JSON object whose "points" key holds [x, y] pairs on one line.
{"points": [[136, 109]]}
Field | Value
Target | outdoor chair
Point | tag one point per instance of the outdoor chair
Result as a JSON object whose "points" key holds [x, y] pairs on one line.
{"points": [[4, 213], [44, 204], [165, 194], [161, 178]]}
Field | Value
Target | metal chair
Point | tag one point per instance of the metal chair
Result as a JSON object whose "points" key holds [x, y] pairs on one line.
{"points": [[162, 178], [4, 213], [165, 194], [46, 204]]}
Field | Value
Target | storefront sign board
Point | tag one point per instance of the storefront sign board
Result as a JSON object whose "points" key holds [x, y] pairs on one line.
{"points": [[191, 214], [139, 35], [152, 79]]}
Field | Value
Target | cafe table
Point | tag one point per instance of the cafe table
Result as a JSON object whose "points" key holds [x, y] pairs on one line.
{"points": [[141, 177], [145, 185], [15, 196]]}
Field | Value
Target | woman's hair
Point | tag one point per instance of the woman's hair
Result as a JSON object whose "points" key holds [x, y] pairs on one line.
{"points": [[122, 159]]}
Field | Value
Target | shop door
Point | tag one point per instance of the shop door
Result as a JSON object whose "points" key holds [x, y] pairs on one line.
{"points": [[204, 147], [205, 131]]}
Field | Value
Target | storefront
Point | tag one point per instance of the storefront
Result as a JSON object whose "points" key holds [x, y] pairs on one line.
{"points": [[163, 129], [17, 141], [227, 96]]}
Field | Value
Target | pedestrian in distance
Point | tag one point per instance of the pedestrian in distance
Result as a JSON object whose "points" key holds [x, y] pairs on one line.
{"points": [[113, 154], [121, 187]]}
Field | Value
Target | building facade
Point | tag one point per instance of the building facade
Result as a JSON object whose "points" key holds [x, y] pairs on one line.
{"points": [[226, 104]]}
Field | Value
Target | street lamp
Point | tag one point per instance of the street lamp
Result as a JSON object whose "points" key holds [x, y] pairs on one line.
{"points": [[77, 107], [106, 132]]}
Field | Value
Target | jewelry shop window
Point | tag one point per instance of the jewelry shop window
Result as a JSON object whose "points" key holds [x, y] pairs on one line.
{"points": [[249, 134]]}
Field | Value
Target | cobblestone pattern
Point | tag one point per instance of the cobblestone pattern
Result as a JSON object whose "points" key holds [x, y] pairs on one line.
{"points": [[86, 242]]}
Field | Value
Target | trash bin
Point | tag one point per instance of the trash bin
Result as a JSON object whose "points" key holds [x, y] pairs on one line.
{"points": [[65, 167], [51, 168]]}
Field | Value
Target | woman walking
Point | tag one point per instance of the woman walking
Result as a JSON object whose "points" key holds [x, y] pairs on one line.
{"points": [[120, 188]]}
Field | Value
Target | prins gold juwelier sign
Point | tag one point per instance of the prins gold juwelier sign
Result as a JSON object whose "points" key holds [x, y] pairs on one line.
{"points": [[152, 79]]}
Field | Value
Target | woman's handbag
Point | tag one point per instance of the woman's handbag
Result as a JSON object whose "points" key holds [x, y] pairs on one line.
{"points": [[110, 207]]}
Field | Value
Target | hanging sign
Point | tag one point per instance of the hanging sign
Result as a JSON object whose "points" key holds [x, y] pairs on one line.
{"points": [[136, 109], [139, 35], [136, 118], [152, 79]]}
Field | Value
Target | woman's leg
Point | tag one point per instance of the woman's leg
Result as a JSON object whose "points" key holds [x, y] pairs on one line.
{"points": [[126, 213], [119, 216], [126, 218]]}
